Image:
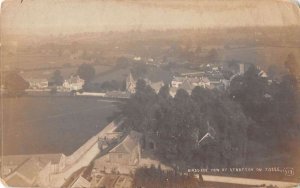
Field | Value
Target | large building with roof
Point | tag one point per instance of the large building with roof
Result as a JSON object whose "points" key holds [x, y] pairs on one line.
{"points": [[31, 170], [74, 83], [124, 157]]}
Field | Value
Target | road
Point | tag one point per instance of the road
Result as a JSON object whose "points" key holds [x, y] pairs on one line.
{"points": [[57, 180]]}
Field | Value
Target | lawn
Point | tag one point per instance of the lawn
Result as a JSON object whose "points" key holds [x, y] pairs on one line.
{"points": [[52, 124]]}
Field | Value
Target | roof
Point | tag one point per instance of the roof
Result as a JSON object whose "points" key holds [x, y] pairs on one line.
{"points": [[186, 85], [157, 85], [25, 174], [130, 142], [37, 80], [18, 159], [81, 182], [130, 78], [17, 181], [74, 80], [12, 160], [54, 158], [191, 79], [31, 168]]}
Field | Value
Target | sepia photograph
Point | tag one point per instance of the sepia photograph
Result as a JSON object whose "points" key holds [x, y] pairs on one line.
{"points": [[150, 93]]}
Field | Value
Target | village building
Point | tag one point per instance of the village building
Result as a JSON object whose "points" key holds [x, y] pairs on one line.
{"points": [[157, 85], [131, 84], [177, 82], [124, 157], [38, 83], [74, 83], [31, 170]]}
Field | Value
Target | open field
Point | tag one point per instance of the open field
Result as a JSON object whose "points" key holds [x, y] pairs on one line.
{"points": [[65, 72], [52, 124]]}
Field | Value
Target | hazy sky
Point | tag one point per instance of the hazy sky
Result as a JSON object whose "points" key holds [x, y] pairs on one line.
{"points": [[72, 16]]}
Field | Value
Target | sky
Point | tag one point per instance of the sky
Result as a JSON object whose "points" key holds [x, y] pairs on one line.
{"points": [[75, 16]]}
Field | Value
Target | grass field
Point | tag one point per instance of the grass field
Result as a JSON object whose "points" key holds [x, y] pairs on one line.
{"points": [[52, 124]]}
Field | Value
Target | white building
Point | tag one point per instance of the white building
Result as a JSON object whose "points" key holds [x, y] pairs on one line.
{"points": [[38, 83], [194, 81], [74, 83]]}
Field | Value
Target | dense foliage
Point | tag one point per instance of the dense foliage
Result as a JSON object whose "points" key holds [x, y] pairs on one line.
{"points": [[179, 123], [15, 84], [255, 119], [86, 72], [272, 105], [56, 78]]}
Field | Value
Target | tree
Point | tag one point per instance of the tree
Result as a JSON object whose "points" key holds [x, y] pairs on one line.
{"points": [[291, 64], [273, 71], [139, 71], [86, 72], [164, 92], [112, 85], [249, 90], [122, 62], [213, 56], [15, 84], [57, 78]]}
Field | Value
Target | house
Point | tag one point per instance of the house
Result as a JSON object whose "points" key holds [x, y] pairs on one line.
{"points": [[74, 83], [193, 81], [177, 81], [131, 84], [188, 84], [38, 83], [31, 170], [30, 173], [123, 158], [157, 85], [137, 58], [128, 152]]}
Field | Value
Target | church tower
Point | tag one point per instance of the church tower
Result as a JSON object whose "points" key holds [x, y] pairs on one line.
{"points": [[130, 84]]}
